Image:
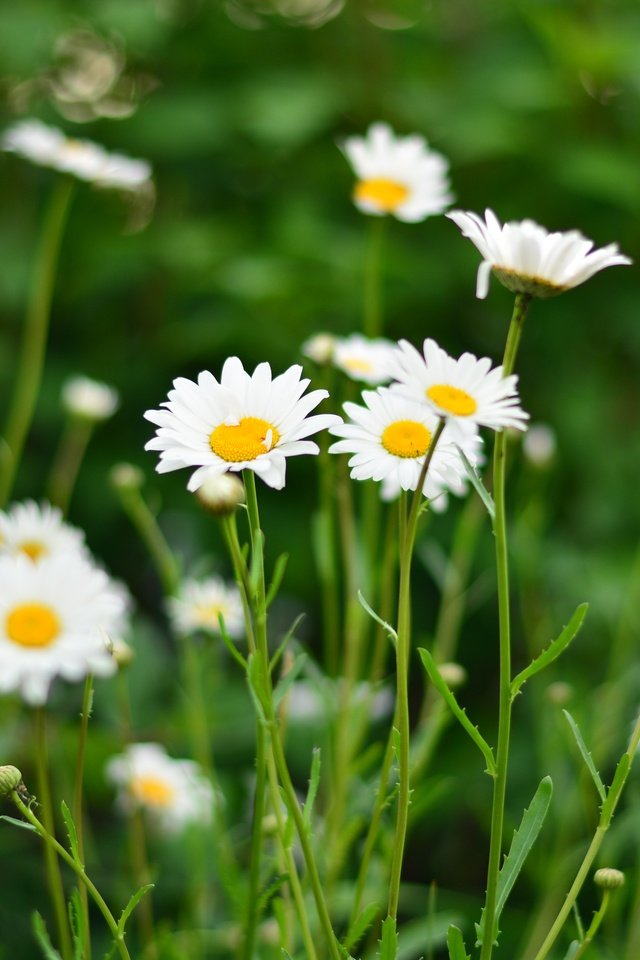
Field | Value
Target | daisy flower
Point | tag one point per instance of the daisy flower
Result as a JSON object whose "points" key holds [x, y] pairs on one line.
{"points": [[465, 391], [526, 258], [54, 618], [175, 793], [37, 531], [244, 422], [389, 438], [200, 603], [89, 399], [50, 147], [364, 359], [397, 175]]}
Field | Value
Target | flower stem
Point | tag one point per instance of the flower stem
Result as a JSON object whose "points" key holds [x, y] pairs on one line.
{"points": [[68, 460], [372, 314], [34, 343], [87, 699], [504, 710], [152, 536]]}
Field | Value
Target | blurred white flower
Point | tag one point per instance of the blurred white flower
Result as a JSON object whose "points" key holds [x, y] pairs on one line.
{"points": [[200, 603], [364, 359], [89, 399], [397, 175], [539, 444], [319, 348], [38, 531]]}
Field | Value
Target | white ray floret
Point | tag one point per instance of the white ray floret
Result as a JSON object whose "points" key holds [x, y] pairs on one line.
{"points": [[175, 793], [400, 176], [363, 358], [467, 391], [38, 530], [526, 258], [200, 603], [243, 422]]}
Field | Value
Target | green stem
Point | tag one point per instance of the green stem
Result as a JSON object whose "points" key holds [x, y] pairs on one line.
{"points": [[504, 714], [152, 536], [372, 314], [594, 926], [87, 699], [54, 875], [31, 360], [57, 849], [68, 460]]}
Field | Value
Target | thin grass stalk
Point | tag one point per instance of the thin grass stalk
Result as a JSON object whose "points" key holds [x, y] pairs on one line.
{"points": [[78, 814], [68, 460]]}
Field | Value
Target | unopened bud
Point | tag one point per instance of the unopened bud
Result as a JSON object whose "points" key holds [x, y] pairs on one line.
{"points": [[453, 674], [121, 652], [10, 779], [320, 348], [89, 399], [559, 692], [220, 494], [608, 878], [126, 476], [539, 445]]}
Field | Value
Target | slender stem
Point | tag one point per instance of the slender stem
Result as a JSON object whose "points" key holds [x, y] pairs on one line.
{"points": [[594, 926], [504, 710], [152, 536], [57, 849], [327, 565], [34, 343], [372, 315], [54, 875], [87, 699], [68, 460]]}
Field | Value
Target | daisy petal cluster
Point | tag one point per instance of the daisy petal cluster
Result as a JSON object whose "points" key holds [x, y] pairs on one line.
{"points": [[50, 147], [200, 603], [241, 422], [364, 359], [400, 176], [526, 258], [37, 531], [175, 793]]}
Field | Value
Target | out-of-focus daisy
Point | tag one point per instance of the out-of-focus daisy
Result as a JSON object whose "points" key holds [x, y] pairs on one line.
{"points": [[38, 531], [364, 359], [175, 793], [89, 399], [526, 258], [54, 618], [389, 439], [317, 701], [244, 422], [319, 347], [540, 444], [397, 175], [50, 147], [465, 391], [200, 603]]}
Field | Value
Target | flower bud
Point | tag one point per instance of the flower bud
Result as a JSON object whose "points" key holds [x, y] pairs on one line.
{"points": [[10, 779], [559, 692], [121, 652], [453, 674], [608, 878], [220, 494], [539, 445], [89, 399], [319, 348], [126, 476]]}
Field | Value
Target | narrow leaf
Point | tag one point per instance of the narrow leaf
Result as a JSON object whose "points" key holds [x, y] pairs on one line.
{"points": [[613, 794], [389, 940], [79, 932], [360, 925], [552, 652], [586, 756], [288, 679], [42, 936], [19, 823], [382, 623], [133, 903], [477, 484], [572, 952], [458, 712], [255, 680], [229, 644], [275, 659], [455, 944], [270, 891], [276, 581], [71, 830], [314, 783]]}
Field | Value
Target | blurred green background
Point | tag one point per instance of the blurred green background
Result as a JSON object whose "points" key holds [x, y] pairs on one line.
{"points": [[254, 245]]}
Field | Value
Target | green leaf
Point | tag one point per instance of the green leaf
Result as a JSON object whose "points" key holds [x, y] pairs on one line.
{"points": [[285, 641], [455, 944], [613, 794], [382, 623], [71, 830], [458, 712], [133, 903], [553, 651], [388, 940], [314, 783], [257, 562], [79, 932], [42, 936], [276, 581], [586, 756], [229, 644], [19, 823], [574, 946], [255, 680], [360, 925], [477, 484], [288, 679], [523, 840], [270, 890]]}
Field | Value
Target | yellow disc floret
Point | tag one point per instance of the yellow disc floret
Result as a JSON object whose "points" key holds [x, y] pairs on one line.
{"points": [[406, 438], [152, 791], [32, 625], [452, 399], [356, 365], [33, 549], [386, 194], [246, 440]]}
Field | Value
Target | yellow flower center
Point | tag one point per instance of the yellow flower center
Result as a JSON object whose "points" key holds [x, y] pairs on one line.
{"points": [[208, 613], [32, 625], [356, 365], [245, 440], [452, 399], [33, 549], [406, 438], [152, 791], [386, 194]]}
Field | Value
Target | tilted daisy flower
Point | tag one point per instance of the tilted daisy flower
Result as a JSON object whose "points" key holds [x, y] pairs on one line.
{"points": [[175, 793], [200, 603], [526, 258], [37, 531], [50, 147], [397, 175], [362, 358], [55, 616], [389, 438], [467, 391], [243, 422]]}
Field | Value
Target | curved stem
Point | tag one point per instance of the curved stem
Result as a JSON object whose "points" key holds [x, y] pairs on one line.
{"points": [[152, 536], [87, 699]]}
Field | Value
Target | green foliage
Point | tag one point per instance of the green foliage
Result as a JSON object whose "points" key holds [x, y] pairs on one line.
{"points": [[553, 651]]}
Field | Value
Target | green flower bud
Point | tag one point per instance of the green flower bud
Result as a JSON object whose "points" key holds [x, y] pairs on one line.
{"points": [[126, 476], [608, 878], [10, 779], [221, 494]]}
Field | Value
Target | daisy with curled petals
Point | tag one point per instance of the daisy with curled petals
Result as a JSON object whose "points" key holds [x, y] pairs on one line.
{"points": [[243, 422], [400, 176], [200, 603], [55, 616], [363, 358], [526, 258], [466, 392], [389, 438], [37, 531]]}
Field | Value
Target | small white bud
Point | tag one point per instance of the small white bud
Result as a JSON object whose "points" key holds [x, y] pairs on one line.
{"points": [[220, 494], [453, 674], [319, 348], [559, 692], [539, 445], [89, 399], [126, 476]]}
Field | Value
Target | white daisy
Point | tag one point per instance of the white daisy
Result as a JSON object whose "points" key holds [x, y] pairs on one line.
{"points": [[244, 422], [200, 603], [37, 531], [54, 618], [364, 359], [465, 391], [397, 175], [389, 439], [175, 793], [50, 147], [89, 399], [526, 258]]}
